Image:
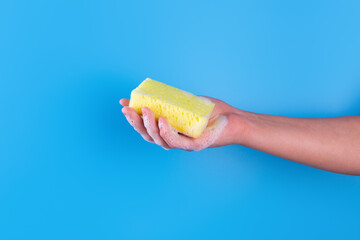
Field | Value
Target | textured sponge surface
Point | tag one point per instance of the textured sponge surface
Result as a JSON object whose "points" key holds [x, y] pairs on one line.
{"points": [[187, 113]]}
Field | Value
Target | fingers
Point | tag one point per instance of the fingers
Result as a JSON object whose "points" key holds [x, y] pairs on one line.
{"points": [[124, 102], [173, 139], [135, 120], [147, 127], [164, 135], [152, 127]]}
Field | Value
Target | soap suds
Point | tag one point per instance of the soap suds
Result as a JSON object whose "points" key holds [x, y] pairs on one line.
{"points": [[153, 131], [209, 136], [211, 133], [207, 100], [147, 125]]}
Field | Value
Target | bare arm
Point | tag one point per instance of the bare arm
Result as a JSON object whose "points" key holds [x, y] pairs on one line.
{"points": [[332, 144]]}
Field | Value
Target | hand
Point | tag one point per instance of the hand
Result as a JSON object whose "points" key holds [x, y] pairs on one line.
{"points": [[217, 133]]}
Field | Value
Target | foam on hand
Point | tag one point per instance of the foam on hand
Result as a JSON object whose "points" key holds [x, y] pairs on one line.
{"points": [[212, 133], [187, 113]]}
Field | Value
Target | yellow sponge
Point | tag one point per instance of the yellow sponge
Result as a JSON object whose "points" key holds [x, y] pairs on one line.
{"points": [[187, 113]]}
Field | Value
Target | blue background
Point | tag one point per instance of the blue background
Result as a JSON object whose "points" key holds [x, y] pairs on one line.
{"points": [[72, 168]]}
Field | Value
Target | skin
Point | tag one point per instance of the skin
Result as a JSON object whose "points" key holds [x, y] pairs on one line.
{"points": [[331, 144]]}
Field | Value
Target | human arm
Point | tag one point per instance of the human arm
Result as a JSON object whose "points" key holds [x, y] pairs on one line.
{"points": [[331, 144]]}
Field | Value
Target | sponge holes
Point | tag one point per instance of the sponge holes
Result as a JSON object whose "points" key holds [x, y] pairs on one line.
{"points": [[175, 117]]}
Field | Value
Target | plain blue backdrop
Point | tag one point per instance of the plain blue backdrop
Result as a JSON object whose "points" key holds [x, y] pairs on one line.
{"points": [[72, 168]]}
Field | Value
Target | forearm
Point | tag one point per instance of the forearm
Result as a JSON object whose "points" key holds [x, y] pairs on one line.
{"points": [[331, 144]]}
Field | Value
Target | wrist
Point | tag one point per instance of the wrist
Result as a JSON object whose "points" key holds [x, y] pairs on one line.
{"points": [[238, 127]]}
